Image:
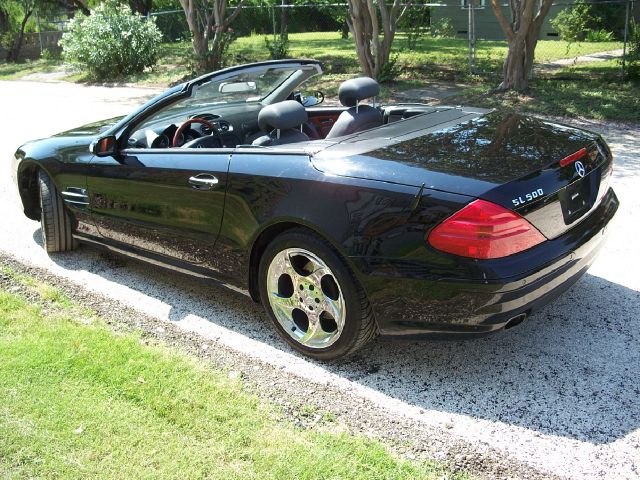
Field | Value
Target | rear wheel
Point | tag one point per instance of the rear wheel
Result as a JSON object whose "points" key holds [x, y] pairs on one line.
{"points": [[312, 297], [55, 222]]}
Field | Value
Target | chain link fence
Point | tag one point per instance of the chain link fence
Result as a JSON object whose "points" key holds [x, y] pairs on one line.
{"points": [[453, 40], [448, 40], [601, 43]]}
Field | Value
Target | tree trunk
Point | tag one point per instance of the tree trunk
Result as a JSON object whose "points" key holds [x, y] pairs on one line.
{"points": [[367, 21], [4, 20], [207, 23], [284, 21], [197, 40], [527, 17], [518, 65], [14, 52]]}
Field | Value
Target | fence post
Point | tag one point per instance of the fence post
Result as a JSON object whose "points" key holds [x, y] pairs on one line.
{"points": [[472, 34], [39, 32], [626, 37], [273, 20]]}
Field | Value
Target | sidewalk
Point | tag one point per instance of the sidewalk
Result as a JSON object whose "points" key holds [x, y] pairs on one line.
{"points": [[593, 57]]}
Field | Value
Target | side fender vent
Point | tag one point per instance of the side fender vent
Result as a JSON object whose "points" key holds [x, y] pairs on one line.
{"points": [[76, 197]]}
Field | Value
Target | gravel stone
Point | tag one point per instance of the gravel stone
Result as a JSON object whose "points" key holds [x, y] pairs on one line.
{"points": [[557, 397]]}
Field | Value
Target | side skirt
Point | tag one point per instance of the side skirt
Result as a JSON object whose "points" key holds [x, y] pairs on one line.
{"points": [[160, 261]]}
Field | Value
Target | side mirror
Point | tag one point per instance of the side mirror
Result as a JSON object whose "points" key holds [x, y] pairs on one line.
{"points": [[315, 99], [104, 147]]}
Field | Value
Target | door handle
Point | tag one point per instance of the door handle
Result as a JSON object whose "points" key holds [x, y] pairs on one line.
{"points": [[203, 181]]}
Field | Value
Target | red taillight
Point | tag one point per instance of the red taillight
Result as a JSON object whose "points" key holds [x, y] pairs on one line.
{"points": [[573, 157], [484, 230]]}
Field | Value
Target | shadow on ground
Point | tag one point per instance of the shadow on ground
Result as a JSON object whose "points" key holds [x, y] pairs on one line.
{"points": [[570, 370]]}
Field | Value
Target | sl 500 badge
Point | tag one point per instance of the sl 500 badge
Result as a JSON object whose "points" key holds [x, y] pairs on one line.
{"points": [[527, 197]]}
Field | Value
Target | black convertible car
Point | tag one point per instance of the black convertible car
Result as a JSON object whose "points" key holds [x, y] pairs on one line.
{"points": [[345, 221]]}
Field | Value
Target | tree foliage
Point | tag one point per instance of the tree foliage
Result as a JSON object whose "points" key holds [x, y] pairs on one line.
{"points": [[13, 38], [143, 7], [633, 56], [415, 24], [17, 15], [111, 42]]}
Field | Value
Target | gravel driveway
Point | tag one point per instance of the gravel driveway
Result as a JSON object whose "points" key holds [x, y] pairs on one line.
{"points": [[560, 394]]}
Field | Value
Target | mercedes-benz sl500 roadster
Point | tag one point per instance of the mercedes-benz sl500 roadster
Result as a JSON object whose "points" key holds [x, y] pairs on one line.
{"points": [[344, 221]]}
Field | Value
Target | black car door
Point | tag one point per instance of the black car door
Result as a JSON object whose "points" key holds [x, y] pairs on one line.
{"points": [[163, 201]]}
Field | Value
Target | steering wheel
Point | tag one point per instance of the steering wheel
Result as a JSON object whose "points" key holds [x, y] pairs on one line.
{"points": [[202, 121]]}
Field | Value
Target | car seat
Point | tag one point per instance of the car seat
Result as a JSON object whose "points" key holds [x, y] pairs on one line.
{"points": [[358, 117], [281, 124]]}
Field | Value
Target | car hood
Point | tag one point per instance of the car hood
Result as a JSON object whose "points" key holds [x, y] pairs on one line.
{"points": [[90, 129], [67, 147], [455, 150]]}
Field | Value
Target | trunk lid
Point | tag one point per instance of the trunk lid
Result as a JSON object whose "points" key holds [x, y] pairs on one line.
{"points": [[506, 158]]}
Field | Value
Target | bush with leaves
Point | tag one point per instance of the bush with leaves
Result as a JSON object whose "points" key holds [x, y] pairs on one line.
{"points": [[413, 24], [573, 23], [391, 70], [111, 42], [599, 35], [443, 28], [633, 55], [278, 49]]}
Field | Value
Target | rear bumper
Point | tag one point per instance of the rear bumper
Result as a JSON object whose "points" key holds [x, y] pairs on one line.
{"points": [[428, 304]]}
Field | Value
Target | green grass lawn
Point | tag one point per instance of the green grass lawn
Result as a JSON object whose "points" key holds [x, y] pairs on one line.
{"points": [[433, 57], [80, 401], [12, 71], [329, 47], [589, 90]]}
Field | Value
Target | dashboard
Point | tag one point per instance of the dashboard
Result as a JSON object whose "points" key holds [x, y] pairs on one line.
{"points": [[161, 136]]}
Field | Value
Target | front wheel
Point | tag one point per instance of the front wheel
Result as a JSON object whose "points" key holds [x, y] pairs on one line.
{"points": [[312, 297], [54, 220]]}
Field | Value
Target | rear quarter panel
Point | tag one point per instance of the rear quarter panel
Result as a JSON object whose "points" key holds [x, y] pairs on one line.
{"points": [[366, 221]]}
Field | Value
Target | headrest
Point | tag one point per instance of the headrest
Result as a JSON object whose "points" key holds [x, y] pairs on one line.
{"points": [[357, 89], [282, 115]]}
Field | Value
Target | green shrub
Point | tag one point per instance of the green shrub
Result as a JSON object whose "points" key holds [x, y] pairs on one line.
{"points": [[574, 22], [443, 28], [390, 70], [7, 39], [50, 54], [633, 54], [278, 49], [413, 24], [111, 42], [599, 36], [173, 26]]}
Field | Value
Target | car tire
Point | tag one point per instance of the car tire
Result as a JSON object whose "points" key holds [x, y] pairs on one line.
{"points": [[312, 297], [55, 222]]}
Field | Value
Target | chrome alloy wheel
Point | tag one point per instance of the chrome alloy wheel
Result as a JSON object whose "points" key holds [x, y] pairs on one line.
{"points": [[306, 298]]}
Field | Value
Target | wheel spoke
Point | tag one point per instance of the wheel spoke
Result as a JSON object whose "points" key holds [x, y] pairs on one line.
{"points": [[283, 304], [304, 312], [317, 274], [286, 267], [335, 309], [315, 334]]}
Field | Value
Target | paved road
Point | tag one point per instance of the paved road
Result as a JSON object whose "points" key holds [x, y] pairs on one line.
{"points": [[560, 393]]}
